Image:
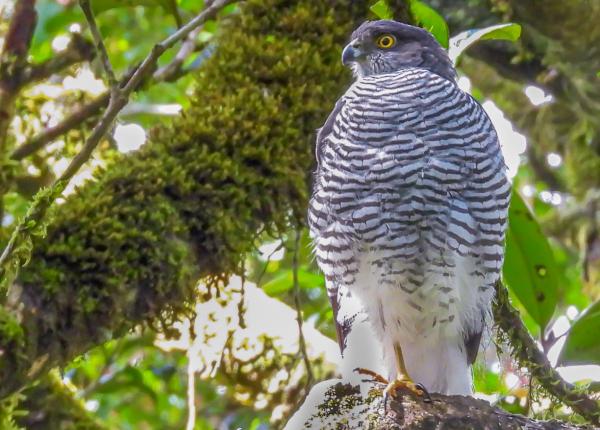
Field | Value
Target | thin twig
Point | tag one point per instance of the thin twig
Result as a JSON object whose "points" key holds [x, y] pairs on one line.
{"points": [[149, 62], [297, 304], [90, 110], [191, 382], [526, 351], [187, 48], [75, 119], [242, 302], [13, 61], [108, 69], [267, 262], [118, 100], [79, 49]]}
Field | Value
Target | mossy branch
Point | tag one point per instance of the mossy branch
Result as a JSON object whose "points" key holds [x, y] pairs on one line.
{"points": [[526, 351], [10, 259], [50, 404], [128, 248], [338, 404]]}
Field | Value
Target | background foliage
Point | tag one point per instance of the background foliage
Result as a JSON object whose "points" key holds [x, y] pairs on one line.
{"points": [[245, 373]]}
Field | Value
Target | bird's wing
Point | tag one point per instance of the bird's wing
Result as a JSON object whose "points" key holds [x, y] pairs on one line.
{"points": [[338, 294], [324, 131], [343, 319]]}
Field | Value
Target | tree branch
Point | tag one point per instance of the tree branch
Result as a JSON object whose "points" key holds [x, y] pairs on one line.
{"points": [[82, 115], [526, 351], [338, 404], [100, 48], [13, 59], [52, 405], [172, 69], [10, 262], [298, 305], [190, 202], [78, 50], [89, 111]]}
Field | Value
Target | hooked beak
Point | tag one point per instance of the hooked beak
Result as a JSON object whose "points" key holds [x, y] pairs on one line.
{"points": [[352, 53]]}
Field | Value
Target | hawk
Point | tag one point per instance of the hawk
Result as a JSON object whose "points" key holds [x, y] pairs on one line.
{"points": [[409, 208]]}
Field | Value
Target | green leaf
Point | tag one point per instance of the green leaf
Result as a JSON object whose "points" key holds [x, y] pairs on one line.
{"points": [[285, 282], [510, 31], [53, 20], [100, 6], [382, 10], [431, 20], [530, 269], [280, 284], [460, 42], [582, 346]]}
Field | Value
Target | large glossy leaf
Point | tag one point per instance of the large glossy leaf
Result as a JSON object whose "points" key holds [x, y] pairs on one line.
{"points": [[582, 346], [431, 20], [530, 269], [460, 42]]}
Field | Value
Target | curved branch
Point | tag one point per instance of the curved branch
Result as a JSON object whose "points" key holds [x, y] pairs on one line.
{"points": [[526, 351], [338, 404]]}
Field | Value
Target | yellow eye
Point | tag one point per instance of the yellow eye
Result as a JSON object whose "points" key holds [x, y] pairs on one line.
{"points": [[386, 41]]}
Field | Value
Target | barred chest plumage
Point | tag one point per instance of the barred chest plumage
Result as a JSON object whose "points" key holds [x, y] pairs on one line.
{"points": [[409, 204]]}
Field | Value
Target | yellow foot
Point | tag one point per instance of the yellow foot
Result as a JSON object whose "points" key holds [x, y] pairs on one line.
{"points": [[402, 382], [376, 377]]}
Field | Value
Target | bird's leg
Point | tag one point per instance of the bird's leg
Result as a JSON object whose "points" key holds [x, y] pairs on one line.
{"points": [[403, 380]]}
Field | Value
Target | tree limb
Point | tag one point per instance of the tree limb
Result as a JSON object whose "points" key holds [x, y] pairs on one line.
{"points": [[9, 261], [80, 116], [13, 60], [88, 112], [78, 50], [338, 404], [100, 48], [52, 405], [526, 351], [190, 202], [172, 69]]}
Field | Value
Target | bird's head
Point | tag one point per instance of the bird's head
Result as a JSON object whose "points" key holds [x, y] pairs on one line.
{"points": [[386, 46]]}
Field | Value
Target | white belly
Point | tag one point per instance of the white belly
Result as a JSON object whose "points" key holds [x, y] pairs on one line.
{"points": [[429, 323]]}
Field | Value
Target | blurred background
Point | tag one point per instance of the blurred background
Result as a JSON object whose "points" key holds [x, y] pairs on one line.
{"points": [[237, 361]]}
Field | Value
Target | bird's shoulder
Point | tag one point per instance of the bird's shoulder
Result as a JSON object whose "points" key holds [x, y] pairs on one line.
{"points": [[404, 81]]}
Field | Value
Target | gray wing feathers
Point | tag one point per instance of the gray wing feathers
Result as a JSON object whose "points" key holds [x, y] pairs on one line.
{"points": [[324, 131]]}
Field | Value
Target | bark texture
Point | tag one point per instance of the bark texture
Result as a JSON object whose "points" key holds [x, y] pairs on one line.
{"points": [[336, 404]]}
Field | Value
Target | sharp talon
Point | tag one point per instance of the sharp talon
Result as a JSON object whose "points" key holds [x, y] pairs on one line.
{"points": [[386, 399], [426, 395]]}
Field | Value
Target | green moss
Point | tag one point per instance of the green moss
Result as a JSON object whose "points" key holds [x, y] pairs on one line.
{"points": [[52, 405], [128, 248], [11, 332], [9, 412], [582, 161]]}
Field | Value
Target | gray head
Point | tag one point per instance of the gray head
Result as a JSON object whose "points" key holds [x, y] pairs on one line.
{"points": [[386, 46]]}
